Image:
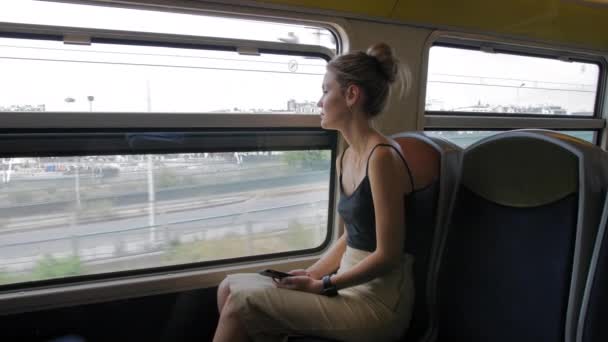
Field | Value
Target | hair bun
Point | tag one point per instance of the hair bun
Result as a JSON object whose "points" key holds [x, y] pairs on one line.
{"points": [[388, 63]]}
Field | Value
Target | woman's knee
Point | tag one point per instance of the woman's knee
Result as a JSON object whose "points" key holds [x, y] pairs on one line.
{"points": [[223, 292], [230, 309], [224, 288]]}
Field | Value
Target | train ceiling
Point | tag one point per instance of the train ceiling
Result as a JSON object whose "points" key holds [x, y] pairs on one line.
{"points": [[572, 22]]}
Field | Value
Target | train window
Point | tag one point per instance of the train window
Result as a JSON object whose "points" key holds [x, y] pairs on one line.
{"points": [[466, 138], [479, 88], [157, 141], [66, 216], [495, 83], [154, 79], [137, 20]]}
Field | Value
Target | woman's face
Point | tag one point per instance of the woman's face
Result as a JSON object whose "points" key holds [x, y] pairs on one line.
{"points": [[332, 103]]}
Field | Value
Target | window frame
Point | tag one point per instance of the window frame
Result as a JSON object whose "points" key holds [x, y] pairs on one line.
{"points": [[441, 120], [92, 124]]}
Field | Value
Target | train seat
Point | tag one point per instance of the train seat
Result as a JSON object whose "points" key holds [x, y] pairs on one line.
{"points": [[519, 242], [592, 325], [434, 163]]}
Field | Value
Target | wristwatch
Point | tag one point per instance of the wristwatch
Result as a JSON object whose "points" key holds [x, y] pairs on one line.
{"points": [[329, 289]]}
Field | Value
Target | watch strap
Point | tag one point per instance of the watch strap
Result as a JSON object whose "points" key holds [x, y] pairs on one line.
{"points": [[329, 289]]}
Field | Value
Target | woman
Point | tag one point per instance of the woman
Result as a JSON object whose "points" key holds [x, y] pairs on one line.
{"points": [[374, 276]]}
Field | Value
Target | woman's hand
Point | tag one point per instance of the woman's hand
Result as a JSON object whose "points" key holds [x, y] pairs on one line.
{"points": [[299, 272], [301, 283]]}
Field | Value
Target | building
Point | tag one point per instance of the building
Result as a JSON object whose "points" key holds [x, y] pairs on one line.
{"points": [[23, 108], [306, 107], [511, 109]]}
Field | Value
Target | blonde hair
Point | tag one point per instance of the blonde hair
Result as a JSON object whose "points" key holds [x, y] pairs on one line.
{"points": [[375, 71]]}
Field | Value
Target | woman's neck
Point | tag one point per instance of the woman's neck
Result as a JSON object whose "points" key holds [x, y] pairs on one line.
{"points": [[357, 134]]}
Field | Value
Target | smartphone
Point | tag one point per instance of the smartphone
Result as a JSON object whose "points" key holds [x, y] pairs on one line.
{"points": [[274, 274]]}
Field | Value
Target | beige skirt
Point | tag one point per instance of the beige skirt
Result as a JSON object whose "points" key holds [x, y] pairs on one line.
{"points": [[379, 310]]}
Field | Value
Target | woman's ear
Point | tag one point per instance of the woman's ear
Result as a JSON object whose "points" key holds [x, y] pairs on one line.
{"points": [[353, 94]]}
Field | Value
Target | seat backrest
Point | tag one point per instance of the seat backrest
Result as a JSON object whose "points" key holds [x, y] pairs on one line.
{"points": [[517, 250], [592, 321], [434, 164]]}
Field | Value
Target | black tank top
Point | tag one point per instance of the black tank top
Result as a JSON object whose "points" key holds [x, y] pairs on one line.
{"points": [[357, 210]]}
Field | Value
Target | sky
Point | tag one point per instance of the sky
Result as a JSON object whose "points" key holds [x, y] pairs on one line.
{"points": [[129, 78], [174, 80], [460, 78], [140, 79]]}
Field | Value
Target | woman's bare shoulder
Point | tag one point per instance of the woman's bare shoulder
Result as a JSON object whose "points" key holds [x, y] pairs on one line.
{"points": [[386, 165]]}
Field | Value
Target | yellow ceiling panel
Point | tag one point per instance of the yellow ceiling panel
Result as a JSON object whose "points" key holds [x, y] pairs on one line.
{"points": [[553, 20], [564, 21], [376, 8], [474, 13], [583, 23]]}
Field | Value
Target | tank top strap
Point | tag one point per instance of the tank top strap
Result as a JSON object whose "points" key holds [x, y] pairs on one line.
{"points": [[341, 164], [407, 167]]}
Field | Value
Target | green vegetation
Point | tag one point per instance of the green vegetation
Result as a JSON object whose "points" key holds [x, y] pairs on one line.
{"points": [[38, 195], [314, 159], [166, 178], [46, 268], [296, 237], [96, 208], [51, 267], [231, 246], [6, 278], [300, 236]]}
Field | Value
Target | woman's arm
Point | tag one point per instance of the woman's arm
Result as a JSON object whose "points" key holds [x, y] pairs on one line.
{"points": [[330, 261], [388, 186]]}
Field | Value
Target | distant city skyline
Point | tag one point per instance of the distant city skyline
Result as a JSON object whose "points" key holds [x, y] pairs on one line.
{"points": [[292, 106], [23, 108]]}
